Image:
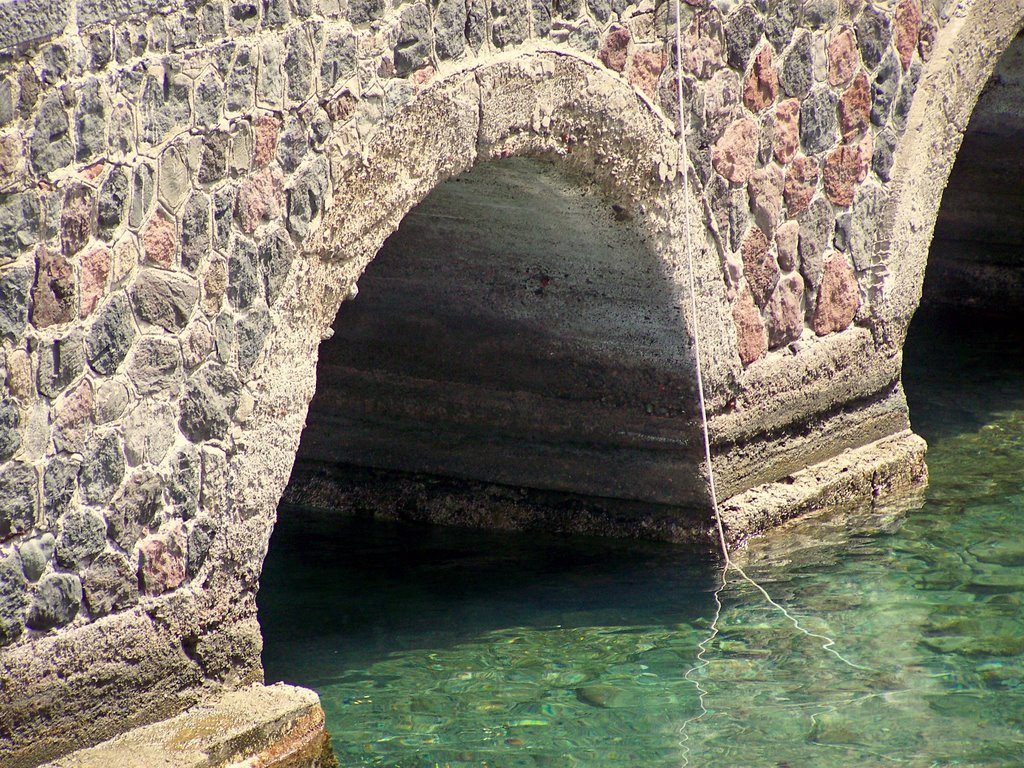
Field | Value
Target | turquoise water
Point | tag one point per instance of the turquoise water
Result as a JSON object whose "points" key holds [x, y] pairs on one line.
{"points": [[451, 648]]}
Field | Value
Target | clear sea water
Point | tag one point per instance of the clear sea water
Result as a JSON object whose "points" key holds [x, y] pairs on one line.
{"points": [[433, 647]]}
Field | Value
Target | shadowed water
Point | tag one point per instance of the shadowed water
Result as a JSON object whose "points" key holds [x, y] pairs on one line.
{"points": [[435, 647]]}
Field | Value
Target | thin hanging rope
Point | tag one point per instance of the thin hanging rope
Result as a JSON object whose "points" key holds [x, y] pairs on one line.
{"points": [[828, 643]]}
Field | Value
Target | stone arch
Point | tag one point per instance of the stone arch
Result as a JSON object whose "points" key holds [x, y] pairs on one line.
{"points": [[543, 103], [967, 51]]}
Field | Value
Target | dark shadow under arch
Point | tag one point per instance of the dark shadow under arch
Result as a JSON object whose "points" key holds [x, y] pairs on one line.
{"points": [[515, 330]]}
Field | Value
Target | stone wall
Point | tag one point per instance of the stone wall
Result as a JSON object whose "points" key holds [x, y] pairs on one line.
{"points": [[189, 190], [977, 257]]}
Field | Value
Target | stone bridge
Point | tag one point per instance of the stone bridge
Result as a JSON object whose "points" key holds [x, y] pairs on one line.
{"points": [[190, 190]]}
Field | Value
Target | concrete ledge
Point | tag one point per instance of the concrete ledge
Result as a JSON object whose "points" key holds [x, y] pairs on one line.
{"points": [[277, 726], [885, 467]]}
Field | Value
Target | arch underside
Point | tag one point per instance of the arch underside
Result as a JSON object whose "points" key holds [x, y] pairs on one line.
{"points": [[803, 404]]}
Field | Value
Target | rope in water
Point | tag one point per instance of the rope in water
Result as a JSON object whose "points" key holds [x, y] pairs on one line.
{"points": [[828, 643]]}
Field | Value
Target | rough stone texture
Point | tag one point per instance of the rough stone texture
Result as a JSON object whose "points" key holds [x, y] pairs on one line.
{"points": [[60, 364], [159, 242], [135, 508], [743, 32], [800, 184], [211, 395], [838, 297], [55, 293], [785, 312], [35, 556], [162, 562], [111, 336], [102, 469], [766, 196], [615, 49], [874, 34], [94, 272], [735, 154], [855, 109], [163, 299], [817, 226], [818, 121], [156, 366], [786, 242], [56, 602], [60, 479], [795, 73], [759, 266], [749, 328], [841, 174], [762, 84], [907, 23], [110, 584], [843, 57], [18, 498], [14, 601], [83, 535]]}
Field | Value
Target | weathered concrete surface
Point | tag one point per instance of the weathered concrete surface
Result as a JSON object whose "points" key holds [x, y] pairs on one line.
{"points": [[884, 468], [280, 726]]}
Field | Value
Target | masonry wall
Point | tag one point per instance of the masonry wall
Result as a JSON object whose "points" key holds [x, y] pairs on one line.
{"points": [[172, 181]]}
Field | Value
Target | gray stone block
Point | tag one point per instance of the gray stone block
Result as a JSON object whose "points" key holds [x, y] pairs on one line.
{"points": [[211, 397], [510, 22], [365, 11], [110, 584], [83, 535], [102, 469], [240, 85], [156, 366], [819, 121], [113, 201], [184, 484], [209, 100], [743, 32], [251, 332], [15, 286], [10, 421], [339, 57], [874, 36], [110, 336], [60, 363], [14, 600], [19, 498], [298, 64], [51, 146], [56, 601], [244, 285], [36, 555], [135, 507], [60, 480], [412, 49], [20, 223], [796, 75], [164, 298], [275, 255], [195, 231], [884, 87]]}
